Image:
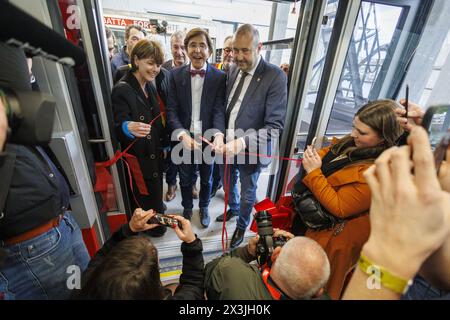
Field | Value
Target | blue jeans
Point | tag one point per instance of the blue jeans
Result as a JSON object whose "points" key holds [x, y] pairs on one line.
{"points": [[422, 290], [187, 173], [39, 268], [243, 203]]}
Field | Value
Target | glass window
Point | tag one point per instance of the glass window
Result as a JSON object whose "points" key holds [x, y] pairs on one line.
{"points": [[319, 62], [323, 44], [367, 52]]}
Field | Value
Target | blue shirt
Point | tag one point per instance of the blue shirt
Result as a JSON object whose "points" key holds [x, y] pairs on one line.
{"points": [[120, 59]]}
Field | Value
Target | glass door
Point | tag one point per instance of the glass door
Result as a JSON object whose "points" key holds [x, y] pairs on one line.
{"points": [[369, 52]]}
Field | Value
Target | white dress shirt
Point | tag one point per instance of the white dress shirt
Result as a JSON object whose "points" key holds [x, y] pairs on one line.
{"points": [[237, 106], [197, 90]]}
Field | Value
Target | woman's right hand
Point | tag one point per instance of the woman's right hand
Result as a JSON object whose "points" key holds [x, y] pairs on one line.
{"points": [[311, 159], [139, 129]]}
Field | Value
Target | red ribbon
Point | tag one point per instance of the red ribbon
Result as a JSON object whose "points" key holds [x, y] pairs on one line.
{"points": [[266, 204]]}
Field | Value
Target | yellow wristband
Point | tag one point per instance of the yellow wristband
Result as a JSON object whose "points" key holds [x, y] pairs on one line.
{"points": [[385, 278]]}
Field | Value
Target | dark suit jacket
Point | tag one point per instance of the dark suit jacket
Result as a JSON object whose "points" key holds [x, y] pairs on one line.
{"points": [[179, 102], [264, 104], [130, 104]]}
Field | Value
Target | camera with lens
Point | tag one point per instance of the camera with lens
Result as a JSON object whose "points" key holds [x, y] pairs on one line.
{"points": [[30, 116], [267, 242], [160, 28]]}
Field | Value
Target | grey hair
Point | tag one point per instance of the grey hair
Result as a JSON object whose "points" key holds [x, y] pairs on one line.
{"points": [[248, 30], [227, 38], [179, 34], [302, 267]]}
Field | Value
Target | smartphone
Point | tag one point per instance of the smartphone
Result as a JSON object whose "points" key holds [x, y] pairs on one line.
{"points": [[313, 143], [164, 220], [441, 150], [437, 122]]}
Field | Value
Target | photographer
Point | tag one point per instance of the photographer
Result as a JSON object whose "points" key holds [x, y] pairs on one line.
{"points": [[300, 270], [38, 235], [127, 266]]}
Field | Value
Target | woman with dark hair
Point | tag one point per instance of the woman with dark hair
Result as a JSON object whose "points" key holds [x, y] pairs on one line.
{"points": [[136, 107], [333, 177]]}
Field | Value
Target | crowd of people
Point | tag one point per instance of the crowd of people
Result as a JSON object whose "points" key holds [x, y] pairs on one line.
{"points": [[368, 208]]}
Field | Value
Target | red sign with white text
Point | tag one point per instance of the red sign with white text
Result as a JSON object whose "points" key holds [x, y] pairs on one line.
{"points": [[121, 22]]}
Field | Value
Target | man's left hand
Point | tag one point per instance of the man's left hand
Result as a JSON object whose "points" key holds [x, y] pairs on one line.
{"points": [[218, 143], [234, 147], [283, 233]]}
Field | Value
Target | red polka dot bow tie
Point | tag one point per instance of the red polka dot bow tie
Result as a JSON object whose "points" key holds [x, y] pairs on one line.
{"points": [[201, 73]]}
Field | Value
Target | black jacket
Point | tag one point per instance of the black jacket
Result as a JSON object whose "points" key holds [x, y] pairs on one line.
{"points": [[37, 191], [130, 104], [191, 280]]}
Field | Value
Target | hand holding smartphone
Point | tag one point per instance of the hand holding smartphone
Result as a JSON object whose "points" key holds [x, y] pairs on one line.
{"points": [[441, 151], [313, 143], [164, 221], [437, 123]]}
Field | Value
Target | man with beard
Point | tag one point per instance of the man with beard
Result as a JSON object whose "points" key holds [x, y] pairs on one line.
{"points": [[256, 107]]}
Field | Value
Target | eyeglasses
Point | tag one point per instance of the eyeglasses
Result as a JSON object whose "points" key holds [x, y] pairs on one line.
{"points": [[201, 46], [227, 50]]}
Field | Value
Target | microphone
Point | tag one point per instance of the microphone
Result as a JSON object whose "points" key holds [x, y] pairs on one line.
{"points": [[19, 29]]}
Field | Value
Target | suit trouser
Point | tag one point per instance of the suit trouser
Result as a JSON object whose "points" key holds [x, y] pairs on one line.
{"points": [[172, 171], [217, 176], [248, 176], [187, 170]]}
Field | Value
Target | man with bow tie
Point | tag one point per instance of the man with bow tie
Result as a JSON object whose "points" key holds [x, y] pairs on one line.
{"points": [[196, 104]]}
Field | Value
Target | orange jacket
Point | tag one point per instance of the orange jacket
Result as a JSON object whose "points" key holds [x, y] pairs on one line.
{"points": [[344, 193]]}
